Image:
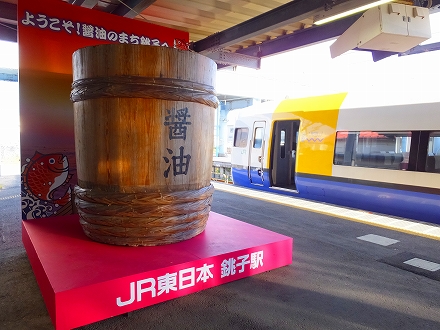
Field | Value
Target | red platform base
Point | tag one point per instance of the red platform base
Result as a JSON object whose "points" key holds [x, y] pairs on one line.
{"points": [[83, 281]]}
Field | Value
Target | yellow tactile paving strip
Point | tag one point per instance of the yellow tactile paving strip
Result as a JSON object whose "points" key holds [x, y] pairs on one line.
{"points": [[398, 224]]}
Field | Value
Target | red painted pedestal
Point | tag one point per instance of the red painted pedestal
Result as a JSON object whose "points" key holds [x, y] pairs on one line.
{"points": [[83, 281]]}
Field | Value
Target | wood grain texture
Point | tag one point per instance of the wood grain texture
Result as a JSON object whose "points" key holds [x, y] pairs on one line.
{"points": [[121, 142], [133, 145]]}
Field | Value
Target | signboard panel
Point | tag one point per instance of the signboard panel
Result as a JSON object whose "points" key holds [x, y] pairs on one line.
{"points": [[126, 278], [49, 32]]}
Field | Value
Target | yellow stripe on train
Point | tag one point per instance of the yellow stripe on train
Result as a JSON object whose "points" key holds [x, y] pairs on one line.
{"points": [[316, 141]]}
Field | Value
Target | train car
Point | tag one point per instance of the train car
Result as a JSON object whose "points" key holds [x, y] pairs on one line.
{"points": [[378, 152]]}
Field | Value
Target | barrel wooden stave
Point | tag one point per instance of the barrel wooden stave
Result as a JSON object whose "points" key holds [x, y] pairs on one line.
{"points": [[123, 144]]}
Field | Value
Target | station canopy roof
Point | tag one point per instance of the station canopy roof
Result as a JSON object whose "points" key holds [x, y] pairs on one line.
{"points": [[231, 32]]}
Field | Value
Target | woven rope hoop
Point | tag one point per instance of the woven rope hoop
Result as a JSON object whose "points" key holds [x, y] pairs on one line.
{"points": [[143, 218], [144, 87]]}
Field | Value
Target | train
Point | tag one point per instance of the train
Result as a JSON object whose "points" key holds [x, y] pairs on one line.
{"points": [[378, 152]]}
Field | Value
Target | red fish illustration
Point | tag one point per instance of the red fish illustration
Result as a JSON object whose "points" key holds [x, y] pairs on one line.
{"points": [[44, 174]]}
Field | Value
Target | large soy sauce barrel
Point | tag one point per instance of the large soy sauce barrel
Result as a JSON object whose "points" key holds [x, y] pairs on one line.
{"points": [[144, 118]]}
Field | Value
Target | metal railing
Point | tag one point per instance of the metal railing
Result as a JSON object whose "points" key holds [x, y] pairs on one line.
{"points": [[221, 177]]}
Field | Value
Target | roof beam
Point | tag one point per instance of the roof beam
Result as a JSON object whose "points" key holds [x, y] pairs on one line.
{"points": [[132, 8], [227, 58], [8, 32], [422, 49], [300, 38], [8, 21], [289, 13], [317, 34], [8, 13]]}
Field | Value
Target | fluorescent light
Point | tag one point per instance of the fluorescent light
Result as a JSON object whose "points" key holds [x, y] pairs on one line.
{"points": [[351, 12]]}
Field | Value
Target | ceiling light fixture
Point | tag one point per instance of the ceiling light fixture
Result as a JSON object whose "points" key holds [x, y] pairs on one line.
{"points": [[351, 12]]}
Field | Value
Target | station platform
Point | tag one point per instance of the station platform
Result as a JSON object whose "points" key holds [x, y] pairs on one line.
{"points": [[347, 272], [407, 226]]}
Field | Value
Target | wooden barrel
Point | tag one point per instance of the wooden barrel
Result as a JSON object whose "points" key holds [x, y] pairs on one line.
{"points": [[144, 120]]}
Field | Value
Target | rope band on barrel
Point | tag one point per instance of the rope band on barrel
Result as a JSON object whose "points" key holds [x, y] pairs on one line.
{"points": [[143, 218], [143, 87]]}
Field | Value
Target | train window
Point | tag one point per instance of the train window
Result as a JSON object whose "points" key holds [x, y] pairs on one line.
{"points": [[283, 143], [433, 157], [258, 137], [388, 150], [241, 137], [344, 147]]}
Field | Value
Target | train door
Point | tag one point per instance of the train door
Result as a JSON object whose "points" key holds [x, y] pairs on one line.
{"points": [[283, 160], [256, 154]]}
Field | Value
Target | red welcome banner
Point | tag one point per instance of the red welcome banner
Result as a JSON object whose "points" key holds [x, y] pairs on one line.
{"points": [[49, 32]]}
